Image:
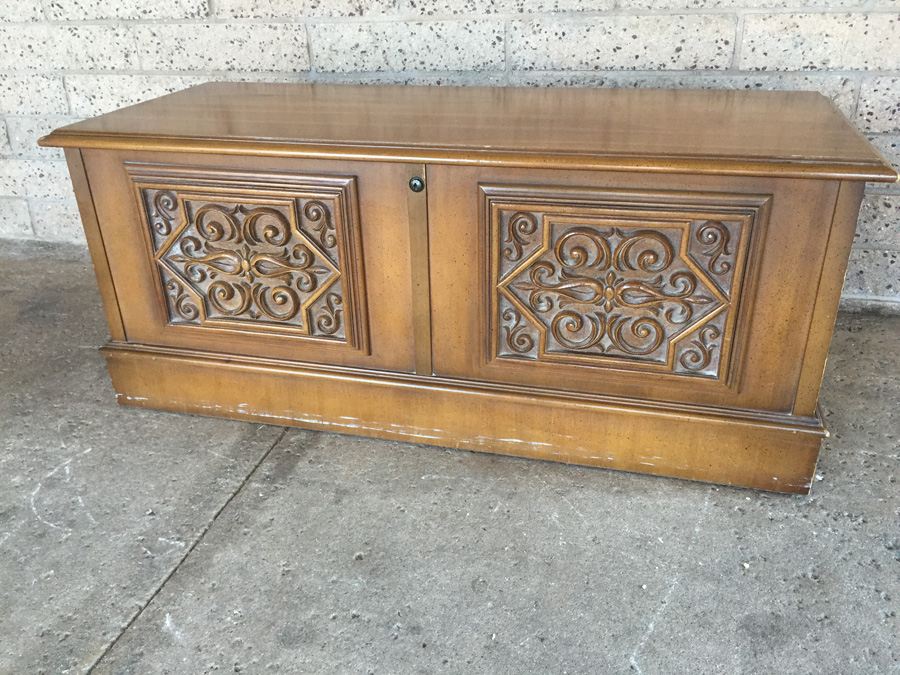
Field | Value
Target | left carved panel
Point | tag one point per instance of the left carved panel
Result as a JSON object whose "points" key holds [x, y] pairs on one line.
{"points": [[277, 254]]}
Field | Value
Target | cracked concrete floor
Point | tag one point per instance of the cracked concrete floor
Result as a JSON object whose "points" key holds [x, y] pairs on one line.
{"points": [[141, 542]]}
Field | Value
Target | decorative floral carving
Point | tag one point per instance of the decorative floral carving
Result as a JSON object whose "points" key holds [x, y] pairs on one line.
{"points": [[678, 292], [246, 263], [601, 287]]}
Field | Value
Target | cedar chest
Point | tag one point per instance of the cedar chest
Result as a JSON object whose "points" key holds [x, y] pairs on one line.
{"points": [[633, 279]]}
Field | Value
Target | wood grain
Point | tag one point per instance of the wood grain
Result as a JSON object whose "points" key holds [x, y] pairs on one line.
{"points": [[734, 132], [765, 455], [97, 248], [828, 295], [417, 204]]}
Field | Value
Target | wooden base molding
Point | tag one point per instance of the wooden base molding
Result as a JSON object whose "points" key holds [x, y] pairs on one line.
{"points": [[716, 446]]}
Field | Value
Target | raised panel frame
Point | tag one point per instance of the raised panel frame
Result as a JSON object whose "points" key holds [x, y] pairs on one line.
{"points": [[286, 191], [618, 211], [387, 342]]}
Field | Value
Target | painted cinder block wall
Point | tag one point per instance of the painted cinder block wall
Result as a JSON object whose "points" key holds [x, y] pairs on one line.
{"points": [[62, 60]]}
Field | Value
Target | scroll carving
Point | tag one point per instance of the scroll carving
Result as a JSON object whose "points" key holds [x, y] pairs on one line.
{"points": [[518, 335], [272, 263], [600, 286], [162, 213]]}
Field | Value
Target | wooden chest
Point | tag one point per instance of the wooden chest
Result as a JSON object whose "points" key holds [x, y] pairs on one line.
{"points": [[633, 279]]}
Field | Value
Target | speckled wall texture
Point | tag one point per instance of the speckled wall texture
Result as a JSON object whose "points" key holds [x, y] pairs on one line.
{"points": [[61, 60]]}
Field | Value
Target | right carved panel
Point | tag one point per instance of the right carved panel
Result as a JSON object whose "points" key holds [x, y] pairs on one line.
{"points": [[650, 282]]}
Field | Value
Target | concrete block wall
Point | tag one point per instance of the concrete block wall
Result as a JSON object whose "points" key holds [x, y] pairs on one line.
{"points": [[62, 60]]}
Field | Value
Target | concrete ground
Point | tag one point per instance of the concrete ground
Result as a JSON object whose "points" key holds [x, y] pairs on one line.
{"points": [[141, 542]]}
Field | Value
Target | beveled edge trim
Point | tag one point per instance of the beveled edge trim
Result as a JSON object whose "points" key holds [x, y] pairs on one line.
{"points": [[662, 163], [753, 418]]}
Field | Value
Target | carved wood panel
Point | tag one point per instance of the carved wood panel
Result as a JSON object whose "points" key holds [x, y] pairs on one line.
{"points": [[277, 254], [636, 282]]}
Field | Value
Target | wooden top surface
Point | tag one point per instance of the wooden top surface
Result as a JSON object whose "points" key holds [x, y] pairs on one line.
{"points": [[733, 132]]}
